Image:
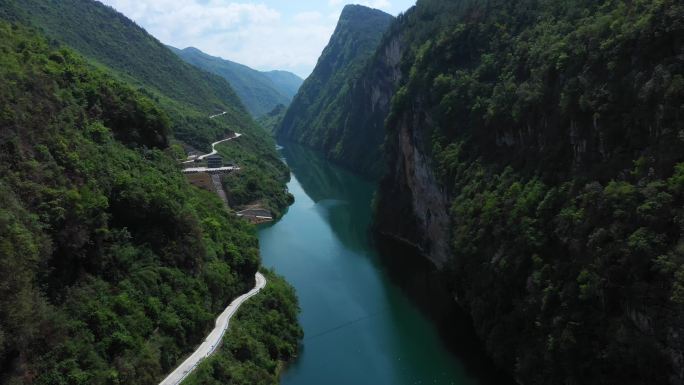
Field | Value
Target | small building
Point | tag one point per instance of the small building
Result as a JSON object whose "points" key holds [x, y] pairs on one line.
{"points": [[214, 161]]}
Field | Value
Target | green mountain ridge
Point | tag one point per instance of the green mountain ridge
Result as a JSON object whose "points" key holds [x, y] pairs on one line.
{"points": [[315, 117], [271, 121], [533, 152], [113, 267], [132, 54], [287, 82], [188, 95], [259, 91]]}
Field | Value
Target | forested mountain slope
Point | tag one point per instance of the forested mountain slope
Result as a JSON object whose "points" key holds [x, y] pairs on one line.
{"points": [[112, 40], [271, 121], [257, 90], [187, 94], [113, 267], [287, 82], [534, 152], [315, 117]]}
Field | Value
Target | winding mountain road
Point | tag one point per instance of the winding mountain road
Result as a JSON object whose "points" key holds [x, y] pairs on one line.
{"points": [[213, 146], [213, 340]]}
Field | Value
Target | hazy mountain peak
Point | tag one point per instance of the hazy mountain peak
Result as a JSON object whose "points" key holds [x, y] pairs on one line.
{"points": [[259, 91]]}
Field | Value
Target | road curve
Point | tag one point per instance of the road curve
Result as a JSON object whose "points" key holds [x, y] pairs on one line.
{"points": [[213, 148], [213, 145], [211, 343]]}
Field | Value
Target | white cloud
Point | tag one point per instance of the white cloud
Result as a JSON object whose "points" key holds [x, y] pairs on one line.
{"points": [[254, 33]]}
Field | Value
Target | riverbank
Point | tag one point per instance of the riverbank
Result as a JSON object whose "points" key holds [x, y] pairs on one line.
{"points": [[362, 326], [263, 335], [215, 337]]}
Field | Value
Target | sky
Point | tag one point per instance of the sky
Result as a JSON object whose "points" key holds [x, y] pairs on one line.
{"points": [[265, 35]]}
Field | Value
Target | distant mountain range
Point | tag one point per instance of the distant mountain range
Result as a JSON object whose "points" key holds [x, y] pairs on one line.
{"points": [[259, 91]]}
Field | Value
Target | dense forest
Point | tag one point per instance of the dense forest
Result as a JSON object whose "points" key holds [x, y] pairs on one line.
{"points": [[262, 336], [271, 120], [260, 92], [111, 40], [546, 139], [113, 266], [188, 95], [287, 82], [531, 149], [315, 117], [533, 152]]}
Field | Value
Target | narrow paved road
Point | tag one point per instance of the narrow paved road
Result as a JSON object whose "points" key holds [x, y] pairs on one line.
{"points": [[213, 145], [214, 338], [217, 115], [213, 148]]}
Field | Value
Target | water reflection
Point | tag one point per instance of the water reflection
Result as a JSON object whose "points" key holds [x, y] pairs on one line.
{"points": [[342, 197], [368, 317]]}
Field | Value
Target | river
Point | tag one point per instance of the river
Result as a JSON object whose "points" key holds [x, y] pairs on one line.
{"points": [[364, 320]]}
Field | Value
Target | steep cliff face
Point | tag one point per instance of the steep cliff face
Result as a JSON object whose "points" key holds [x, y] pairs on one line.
{"points": [[535, 153], [413, 207], [334, 107], [356, 140]]}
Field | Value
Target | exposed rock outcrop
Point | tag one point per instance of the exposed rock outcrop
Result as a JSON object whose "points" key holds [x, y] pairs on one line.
{"points": [[413, 207], [341, 107]]}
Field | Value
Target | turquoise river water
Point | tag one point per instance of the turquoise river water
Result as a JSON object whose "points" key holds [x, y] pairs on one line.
{"points": [[368, 317]]}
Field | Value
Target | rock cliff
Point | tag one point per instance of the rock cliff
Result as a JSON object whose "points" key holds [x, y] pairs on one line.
{"points": [[533, 152], [341, 106]]}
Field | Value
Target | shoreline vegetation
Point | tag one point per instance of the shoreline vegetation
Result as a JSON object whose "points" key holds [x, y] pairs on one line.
{"points": [[533, 151], [262, 339], [113, 266]]}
